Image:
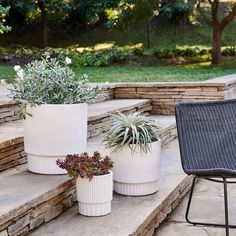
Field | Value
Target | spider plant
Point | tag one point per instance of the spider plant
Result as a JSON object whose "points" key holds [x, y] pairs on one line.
{"points": [[134, 131]]}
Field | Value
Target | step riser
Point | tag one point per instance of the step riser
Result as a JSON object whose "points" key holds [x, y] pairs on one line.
{"points": [[12, 154], [160, 214], [8, 113]]}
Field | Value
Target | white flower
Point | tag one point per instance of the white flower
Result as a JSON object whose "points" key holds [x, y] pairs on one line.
{"points": [[16, 68], [47, 55], [107, 83], [3, 82], [68, 61], [20, 74]]}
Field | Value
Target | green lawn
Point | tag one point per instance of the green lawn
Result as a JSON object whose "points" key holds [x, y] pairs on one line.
{"points": [[152, 74], [196, 72]]}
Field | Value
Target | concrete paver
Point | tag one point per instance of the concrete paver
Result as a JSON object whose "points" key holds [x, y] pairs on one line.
{"points": [[207, 206]]}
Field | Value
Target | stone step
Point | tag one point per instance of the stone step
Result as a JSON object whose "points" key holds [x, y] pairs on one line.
{"points": [[99, 115], [28, 200], [135, 216]]}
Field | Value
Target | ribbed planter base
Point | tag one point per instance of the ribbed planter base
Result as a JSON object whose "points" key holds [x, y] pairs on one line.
{"points": [[140, 189], [100, 209], [44, 164]]}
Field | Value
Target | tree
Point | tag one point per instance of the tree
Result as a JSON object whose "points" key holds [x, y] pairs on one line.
{"points": [[218, 24], [31, 9], [84, 12], [3, 13]]}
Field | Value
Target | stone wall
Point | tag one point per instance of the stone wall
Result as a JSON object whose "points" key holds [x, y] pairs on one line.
{"points": [[35, 213], [165, 95], [100, 124], [169, 204], [12, 153], [8, 112]]}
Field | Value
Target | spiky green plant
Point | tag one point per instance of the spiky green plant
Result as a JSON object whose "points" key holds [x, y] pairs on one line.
{"points": [[135, 131]]}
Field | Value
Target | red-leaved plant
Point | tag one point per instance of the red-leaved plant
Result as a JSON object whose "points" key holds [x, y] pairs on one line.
{"points": [[86, 166]]}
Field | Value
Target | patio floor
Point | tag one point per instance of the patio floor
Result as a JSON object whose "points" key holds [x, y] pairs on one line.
{"points": [[208, 206]]}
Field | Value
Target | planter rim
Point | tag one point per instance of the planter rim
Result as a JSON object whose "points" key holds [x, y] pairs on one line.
{"points": [[61, 104], [96, 176], [152, 143]]}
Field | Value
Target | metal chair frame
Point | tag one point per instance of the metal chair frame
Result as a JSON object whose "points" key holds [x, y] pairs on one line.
{"points": [[223, 175], [225, 182]]}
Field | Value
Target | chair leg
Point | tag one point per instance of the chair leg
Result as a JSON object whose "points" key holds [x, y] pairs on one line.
{"points": [[226, 225], [190, 201], [226, 207]]}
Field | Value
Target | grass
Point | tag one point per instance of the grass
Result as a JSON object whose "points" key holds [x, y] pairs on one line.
{"points": [[195, 72], [7, 73], [152, 74]]}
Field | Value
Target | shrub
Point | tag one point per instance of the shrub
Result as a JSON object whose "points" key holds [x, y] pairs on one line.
{"points": [[99, 58], [85, 166], [47, 81], [134, 131], [188, 55], [139, 51], [230, 51]]}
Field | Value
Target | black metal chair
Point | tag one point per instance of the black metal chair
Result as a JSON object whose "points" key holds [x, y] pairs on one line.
{"points": [[207, 141]]}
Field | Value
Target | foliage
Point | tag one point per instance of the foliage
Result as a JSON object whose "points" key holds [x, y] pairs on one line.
{"points": [[176, 11], [4, 11], [47, 81], [229, 51], [86, 166], [99, 58], [134, 131], [35, 53], [190, 55], [132, 11], [90, 11]]}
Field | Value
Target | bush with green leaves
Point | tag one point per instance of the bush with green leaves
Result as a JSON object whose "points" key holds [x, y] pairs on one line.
{"points": [[4, 11], [99, 58], [48, 81], [177, 11], [135, 131], [189, 54]]}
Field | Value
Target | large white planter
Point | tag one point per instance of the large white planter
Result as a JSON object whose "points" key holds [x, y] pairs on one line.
{"points": [[52, 132], [94, 197], [137, 174]]}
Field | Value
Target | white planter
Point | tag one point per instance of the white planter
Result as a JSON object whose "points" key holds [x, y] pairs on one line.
{"points": [[52, 132], [137, 174], [94, 197]]}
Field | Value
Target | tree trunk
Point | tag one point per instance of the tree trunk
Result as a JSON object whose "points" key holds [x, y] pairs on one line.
{"points": [[217, 41], [44, 17]]}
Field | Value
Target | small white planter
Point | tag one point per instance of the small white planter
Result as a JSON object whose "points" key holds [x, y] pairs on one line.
{"points": [[94, 197], [52, 132], [137, 174]]}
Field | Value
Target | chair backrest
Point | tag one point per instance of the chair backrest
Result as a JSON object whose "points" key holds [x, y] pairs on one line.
{"points": [[207, 134]]}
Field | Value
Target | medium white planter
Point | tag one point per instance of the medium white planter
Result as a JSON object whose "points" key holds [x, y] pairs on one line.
{"points": [[137, 174], [52, 132], [94, 197]]}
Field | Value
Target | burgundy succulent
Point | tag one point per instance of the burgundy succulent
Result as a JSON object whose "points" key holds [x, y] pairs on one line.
{"points": [[86, 166]]}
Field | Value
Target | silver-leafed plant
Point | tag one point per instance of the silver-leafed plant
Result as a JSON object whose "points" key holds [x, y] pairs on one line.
{"points": [[48, 81], [135, 131]]}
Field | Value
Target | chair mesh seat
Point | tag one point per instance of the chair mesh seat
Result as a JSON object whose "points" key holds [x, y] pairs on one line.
{"points": [[207, 137]]}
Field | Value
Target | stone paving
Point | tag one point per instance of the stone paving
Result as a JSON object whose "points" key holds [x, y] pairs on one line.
{"points": [[208, 206], [136, 216]]}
